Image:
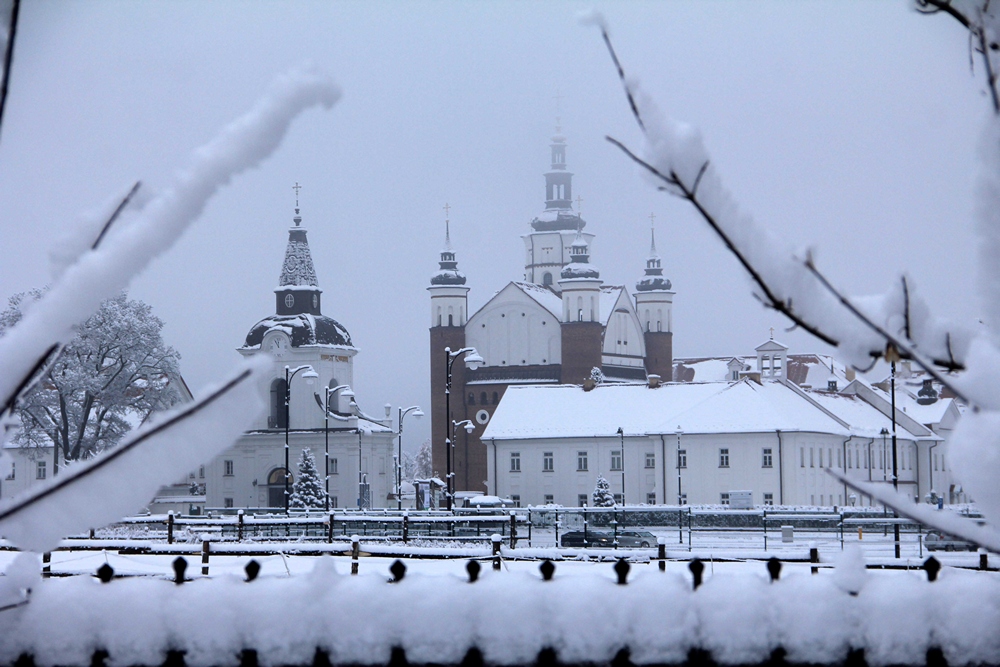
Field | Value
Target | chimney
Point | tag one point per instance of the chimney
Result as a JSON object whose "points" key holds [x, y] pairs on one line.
{"points": [[753, 375]]}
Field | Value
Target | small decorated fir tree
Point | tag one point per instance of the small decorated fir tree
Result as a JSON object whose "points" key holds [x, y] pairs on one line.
{"points": [[602, 493], [308, 491]]}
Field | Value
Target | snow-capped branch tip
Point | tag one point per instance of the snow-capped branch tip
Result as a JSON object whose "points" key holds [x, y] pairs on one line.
{"points": [[978, 37], [593, 17]]}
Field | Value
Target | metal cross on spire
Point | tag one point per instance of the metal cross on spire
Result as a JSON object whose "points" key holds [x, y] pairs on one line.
{"points": [[579, 208], [652, 234], [447, 226], [296, 187]]}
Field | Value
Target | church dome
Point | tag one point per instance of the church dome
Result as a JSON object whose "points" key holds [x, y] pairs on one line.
{"points": [[448, 277], [579, 270], [304, 329], [654, 282]]}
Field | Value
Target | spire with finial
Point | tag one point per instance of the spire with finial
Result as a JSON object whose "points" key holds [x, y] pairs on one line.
{"points": [[448, 273], [297, 270], [654, 279]]}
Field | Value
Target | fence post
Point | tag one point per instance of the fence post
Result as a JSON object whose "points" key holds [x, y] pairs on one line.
{"points": [[529, 527], [204, 557], [355, 551], [47, 564], [814, 558], [557, 528], [513, 529], [406, 527], [764, 520], [170, 527], [496, 551], [661, 543], [239, 526]]}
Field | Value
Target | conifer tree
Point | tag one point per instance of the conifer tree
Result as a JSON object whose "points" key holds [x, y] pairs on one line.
{"points": [[602, 493], [308, 491]]}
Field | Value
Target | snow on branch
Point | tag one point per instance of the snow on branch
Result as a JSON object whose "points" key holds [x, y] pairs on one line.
{"points": [[897, 324], [122, 480], [108, 268]]}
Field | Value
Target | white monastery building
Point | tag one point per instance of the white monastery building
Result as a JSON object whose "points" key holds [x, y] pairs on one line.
{"points": [[699, 442], [316, 353]]}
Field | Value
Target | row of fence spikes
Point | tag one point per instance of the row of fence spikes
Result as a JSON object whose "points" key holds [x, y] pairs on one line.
{"points": [[548, 569]]}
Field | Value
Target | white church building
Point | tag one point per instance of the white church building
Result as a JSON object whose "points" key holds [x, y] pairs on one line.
{"points": [[316, 354]]}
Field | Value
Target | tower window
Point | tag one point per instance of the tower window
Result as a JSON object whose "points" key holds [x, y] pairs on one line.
{"points": [[472, 398], [482, 399], [289, 301], [496, 398], [547, 278]]}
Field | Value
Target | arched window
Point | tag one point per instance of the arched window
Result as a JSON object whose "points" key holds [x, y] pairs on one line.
{"points": [[546, 278], [439, 316], [593, 310], [277, 416], [276, 487], [579, 309], [496, 398], [482, 399], [472, 398], [451, 317]]}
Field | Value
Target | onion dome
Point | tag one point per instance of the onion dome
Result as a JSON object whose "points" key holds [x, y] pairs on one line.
{"points": [[579, 265]]}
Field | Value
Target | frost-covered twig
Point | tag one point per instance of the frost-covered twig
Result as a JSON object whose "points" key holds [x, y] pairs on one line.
{"points": [[8, 56]]}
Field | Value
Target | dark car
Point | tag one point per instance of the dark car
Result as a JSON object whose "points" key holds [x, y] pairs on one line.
{"points": [[937, 541], [592, 538], [636, 538]]}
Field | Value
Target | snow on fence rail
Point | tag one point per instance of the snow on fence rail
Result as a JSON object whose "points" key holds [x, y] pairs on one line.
{"points": [[641, 615]]}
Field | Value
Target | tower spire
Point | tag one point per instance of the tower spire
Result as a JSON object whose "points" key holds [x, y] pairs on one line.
{"points": [[653, 279], [448, 273]]}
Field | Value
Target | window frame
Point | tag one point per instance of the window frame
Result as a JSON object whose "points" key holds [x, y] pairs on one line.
{"points": [[515, 462], [723, 457]]}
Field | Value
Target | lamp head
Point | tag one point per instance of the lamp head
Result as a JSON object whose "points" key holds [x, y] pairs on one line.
{"points": [[473, 360], [310, 376], [418, 413], [469, 428]]}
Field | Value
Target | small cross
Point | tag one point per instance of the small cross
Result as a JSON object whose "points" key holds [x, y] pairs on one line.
{"points": [[652, 219], [296, 187], [447, 210], [772, 333], [579, 200]]}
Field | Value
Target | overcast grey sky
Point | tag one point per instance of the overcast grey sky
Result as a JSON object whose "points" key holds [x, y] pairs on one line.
{"points": [[849, 126]]}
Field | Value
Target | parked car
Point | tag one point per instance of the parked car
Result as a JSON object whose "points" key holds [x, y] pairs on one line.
{"points": [[636, 538], [592, 538], [935, 540]]}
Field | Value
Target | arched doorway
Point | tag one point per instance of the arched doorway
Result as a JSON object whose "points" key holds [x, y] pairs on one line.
{"points": [[276, 488]]}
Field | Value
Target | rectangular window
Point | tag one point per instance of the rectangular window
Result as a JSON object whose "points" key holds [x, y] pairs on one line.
{"points": [[820, 457], [227, 502], [651, 498], [848, 459], [13, 470], [332, 465], [548, 462], [516, 500], [682, 458], [515, 461], [650, 460], [227, 468], [201, 472], [812, 459], [333, 502], [802, 457], [935, 463], [724, 457], [40, 470], [829, 458], [616, 460], [581, 500], [581, 462], [767, 461], [618, 499], [768, 498], [724, 498], [549, 499]]}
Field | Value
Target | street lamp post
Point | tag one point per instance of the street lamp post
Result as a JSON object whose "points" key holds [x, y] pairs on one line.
{"points": [[895, 475], [418, 413], [469, 428], [621, 436], [308, 376], [680, 520], [472, 362]]}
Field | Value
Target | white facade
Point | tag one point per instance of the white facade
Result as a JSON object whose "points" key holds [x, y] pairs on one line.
{"points": [[695, 443], [513, 328]]}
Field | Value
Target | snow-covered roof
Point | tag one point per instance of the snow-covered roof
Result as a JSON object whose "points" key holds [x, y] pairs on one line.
{"points": [[566, 411], [545, 297], [802, 369], [865, 420], [304, 329], [609, 299]]}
